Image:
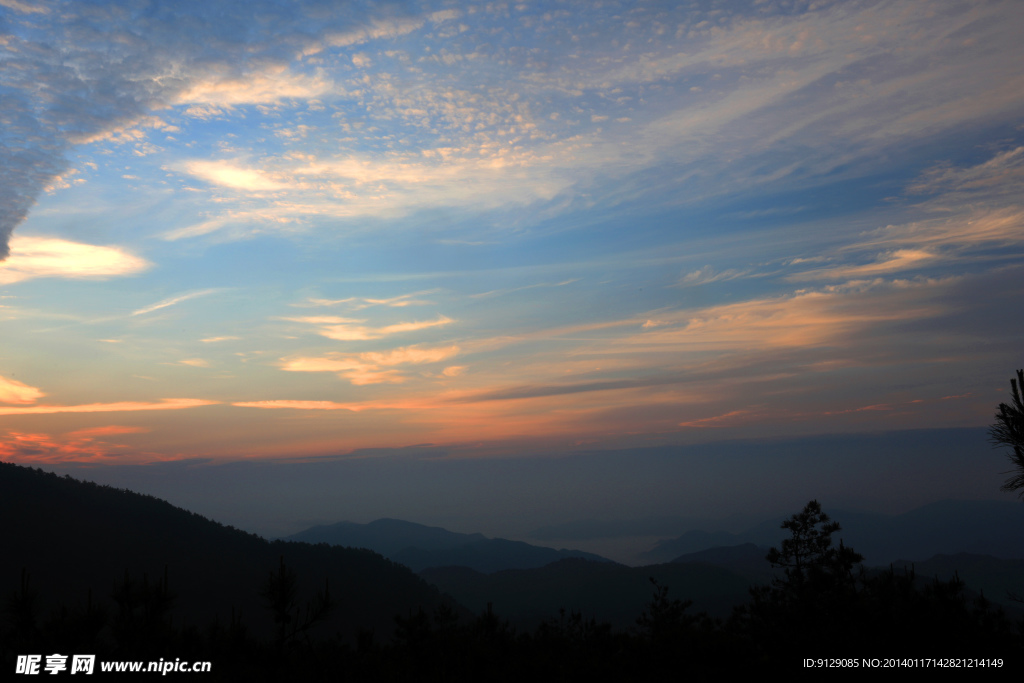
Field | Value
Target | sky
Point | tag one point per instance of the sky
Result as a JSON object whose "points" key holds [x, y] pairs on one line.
{"points": [[522, 233]]}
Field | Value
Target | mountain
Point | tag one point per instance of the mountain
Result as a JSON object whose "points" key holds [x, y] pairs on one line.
{"points": [[420, 547], [489, 555], [386, 536], [73, 537], [747, 560], [697, 541], [983, 527]]}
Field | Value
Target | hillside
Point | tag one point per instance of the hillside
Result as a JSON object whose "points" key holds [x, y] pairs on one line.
{"points": [[72, 536], [601, 590]]}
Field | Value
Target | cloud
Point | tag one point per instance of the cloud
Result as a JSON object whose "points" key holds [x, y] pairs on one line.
{"points": [[359, 303], [804, 319], [372, 367], [228, 174], [724, 420], [127, 64], [350, 329], [25, 7], [299, 405], [286, 404], [13, 391], [34, 257], [261, 88], [896, 261], [972, 212], [770, 97], [83, 445], [109, 430], [173, 301], [707, 274], [376, 29], [124, 406], [1002, 173]]}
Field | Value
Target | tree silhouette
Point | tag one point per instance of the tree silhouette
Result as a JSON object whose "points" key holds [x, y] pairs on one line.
{"points": [[280, 593], [808, 556], [1009, 431]]}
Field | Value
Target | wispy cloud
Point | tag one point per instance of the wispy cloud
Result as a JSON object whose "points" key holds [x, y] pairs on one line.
{"points": [[123, 406], [499, 292], [174, 300], [707, 274], [350, 329], [894, 262], [359, 303], [372, 367]]}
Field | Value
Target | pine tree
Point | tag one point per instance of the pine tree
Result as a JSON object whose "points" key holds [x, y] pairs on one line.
{"points": [[1009, 431]]}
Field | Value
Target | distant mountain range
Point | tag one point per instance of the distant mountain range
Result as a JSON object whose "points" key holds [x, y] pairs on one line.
{"points": [[993, 528], [77, 540], [421, 547]]}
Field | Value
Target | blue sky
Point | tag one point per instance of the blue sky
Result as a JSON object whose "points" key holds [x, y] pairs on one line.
{"points": [[298, 229]]}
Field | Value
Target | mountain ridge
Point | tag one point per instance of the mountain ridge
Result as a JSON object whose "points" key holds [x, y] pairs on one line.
{"points": [[420, 547]]}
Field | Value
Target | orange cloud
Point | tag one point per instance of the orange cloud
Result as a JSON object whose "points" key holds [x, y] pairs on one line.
{"points": [[81, 445], [901, 259], [803, 319], [124, 406], [369, 367], [333, 405], [13, 391], [106, 431], [725, 420]]}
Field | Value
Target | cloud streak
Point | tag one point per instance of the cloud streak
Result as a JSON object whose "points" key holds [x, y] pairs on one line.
{"points": [[372, 367], [173, 301], [350, 329], [121, 407]]}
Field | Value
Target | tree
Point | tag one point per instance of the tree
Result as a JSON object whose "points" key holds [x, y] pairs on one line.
{"points": [[808, 556], [280, 593], [1009, 431]]}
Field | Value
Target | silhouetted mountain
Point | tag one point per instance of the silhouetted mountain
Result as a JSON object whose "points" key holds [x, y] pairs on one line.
{"points": [[602, 590], [982, 527], [419, 547], [73, 536], [589, 529], [697, 541], [747, 560], [489, 555], [386, 536]]}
